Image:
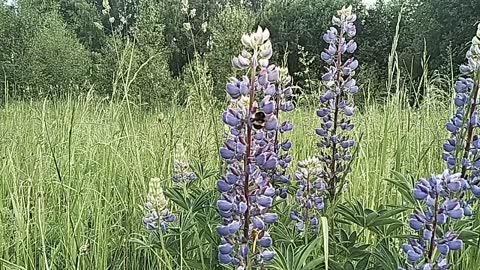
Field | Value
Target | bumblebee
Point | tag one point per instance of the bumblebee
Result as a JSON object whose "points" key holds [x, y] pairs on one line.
{"points": [[258, 120]]}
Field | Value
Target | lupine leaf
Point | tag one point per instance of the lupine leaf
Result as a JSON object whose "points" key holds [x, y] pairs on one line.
{"points": [[348, 266], [325, 240], [303, 254], [177, 197], [363, 263], [384, 221], [403, 185], [313, 264]]}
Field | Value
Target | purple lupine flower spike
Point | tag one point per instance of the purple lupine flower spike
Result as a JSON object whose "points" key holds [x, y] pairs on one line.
{"points": [[439, 207], [321, 178], [309, 195], [336, 105], [255, 153], [446, 197], [182, 173]]}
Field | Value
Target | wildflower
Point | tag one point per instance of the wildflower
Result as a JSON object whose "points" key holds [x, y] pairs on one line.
{"points": [[336, 106], [158, 215], [182, 172], [255, 154], [193, 13], [461, 149], [437, 194], [309, 195], [185, 6], [445, 195]]}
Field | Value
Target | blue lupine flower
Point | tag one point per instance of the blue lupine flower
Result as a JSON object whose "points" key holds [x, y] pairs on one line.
{"points": [[255, 152], [182, 173], [309, 195], [445, 196], [438, 195], [336, 106]]}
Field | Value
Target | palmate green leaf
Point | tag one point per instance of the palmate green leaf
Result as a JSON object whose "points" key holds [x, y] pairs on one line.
{"points": [[392, 212], [353, 237], [202, 201], [348, 213], [334, 265], [359, 251], [292, 257], [314, 264], [284, 258], [370, 218], [348, 266], [384, 221], [203, 172], [384, 257], [403, 185], [280, 261], [470, 237], [283, 234], [343, 235], [176, 195], [363, 263], [304, 253], [392, 228]]}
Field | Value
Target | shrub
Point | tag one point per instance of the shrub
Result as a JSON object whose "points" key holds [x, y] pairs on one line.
{"points": [[55, 59], [225, 31]]}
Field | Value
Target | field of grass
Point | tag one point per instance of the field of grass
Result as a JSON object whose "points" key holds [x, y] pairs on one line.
{"points": [[74, 176]]}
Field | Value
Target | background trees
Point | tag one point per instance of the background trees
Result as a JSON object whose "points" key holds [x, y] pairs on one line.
{"points": [[50, 46]]}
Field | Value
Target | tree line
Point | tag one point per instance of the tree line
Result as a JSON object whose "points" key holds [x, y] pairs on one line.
{"points": [[156, 51]]}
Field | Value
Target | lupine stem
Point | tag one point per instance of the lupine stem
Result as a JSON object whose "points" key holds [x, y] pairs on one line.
{"points": [[307, 193], [335, 119], [249, 150], [470, 127], [434, 228], [277, 113]]}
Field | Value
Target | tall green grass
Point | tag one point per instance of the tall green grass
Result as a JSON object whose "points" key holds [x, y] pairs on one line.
{"points": [[74, 174]]}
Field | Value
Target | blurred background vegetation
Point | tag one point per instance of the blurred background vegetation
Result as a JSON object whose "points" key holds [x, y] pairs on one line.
{"points": [[153, 51]]}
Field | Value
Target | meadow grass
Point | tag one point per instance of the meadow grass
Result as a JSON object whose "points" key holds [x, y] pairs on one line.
{"points": [[74, 176]]}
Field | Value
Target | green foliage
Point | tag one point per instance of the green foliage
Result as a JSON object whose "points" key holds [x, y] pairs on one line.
{"points": [[55, 59], [81, 16], [226, 30], [169, 34], [17, 29], [154, 82], [92, 217], [198, 85]]}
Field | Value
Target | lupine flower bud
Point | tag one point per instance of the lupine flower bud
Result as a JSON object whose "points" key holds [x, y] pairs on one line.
{"points": [[158, 215]]}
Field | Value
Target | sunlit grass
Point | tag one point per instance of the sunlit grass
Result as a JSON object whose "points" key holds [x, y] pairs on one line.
{"points": [[74, 175]]}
